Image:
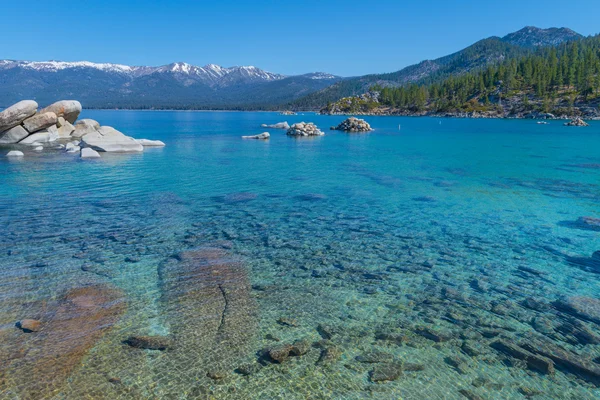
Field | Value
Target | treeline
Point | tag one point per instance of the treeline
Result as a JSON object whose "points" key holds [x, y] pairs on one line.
{"points": [[567, 74]]}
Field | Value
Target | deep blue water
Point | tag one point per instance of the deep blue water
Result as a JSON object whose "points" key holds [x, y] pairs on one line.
{"points": [[356, 243]]}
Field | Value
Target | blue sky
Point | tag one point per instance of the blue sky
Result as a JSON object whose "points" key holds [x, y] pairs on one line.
{"points": [[341, 37]]}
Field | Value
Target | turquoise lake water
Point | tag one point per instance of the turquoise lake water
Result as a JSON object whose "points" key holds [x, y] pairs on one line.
{"points": [[409, 252]]}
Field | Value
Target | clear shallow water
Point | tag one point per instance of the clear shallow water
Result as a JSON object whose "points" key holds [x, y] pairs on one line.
{"points": [[420, 245]]}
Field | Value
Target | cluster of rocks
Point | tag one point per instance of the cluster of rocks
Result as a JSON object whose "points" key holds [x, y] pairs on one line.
{"points": [[288, 113], [576, 122], [304, 129], [353, 124], [23, 124], [279, 125]]}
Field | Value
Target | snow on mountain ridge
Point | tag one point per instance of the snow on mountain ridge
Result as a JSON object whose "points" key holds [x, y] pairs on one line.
{"points": [[61, 65], [211, 72]]}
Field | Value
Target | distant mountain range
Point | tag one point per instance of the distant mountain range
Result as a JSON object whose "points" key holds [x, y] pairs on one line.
{"points": [[177, 85], [185, 86]]}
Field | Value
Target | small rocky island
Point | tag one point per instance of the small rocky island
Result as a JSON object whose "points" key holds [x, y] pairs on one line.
{"points": [[260, 136], [304, 129], [56, 127], [353, 124], [576, 122]]}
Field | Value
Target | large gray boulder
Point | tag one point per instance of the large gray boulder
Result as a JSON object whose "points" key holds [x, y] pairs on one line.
{"points": [[45, 136], [72, 148], [16, 114], [15, 153], [89, 153], [68, 109], [13, 135], [109, 139], [65, 128], [85, 126], [40, 121]]}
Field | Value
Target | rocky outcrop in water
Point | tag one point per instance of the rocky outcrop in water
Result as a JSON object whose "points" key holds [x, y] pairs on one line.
{"points": [[15, 153], [279, 125], [353, 124], [261, 136], [576, 122], [108, 139], [304, 129], [22, 124], [16, 114]]}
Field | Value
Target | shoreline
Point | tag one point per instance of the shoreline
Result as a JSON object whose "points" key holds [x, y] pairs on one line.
{"points": [[359, 114]]}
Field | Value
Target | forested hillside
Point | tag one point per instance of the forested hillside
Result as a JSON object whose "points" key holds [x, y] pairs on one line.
{"points": [[552, 79], [481, 54]]}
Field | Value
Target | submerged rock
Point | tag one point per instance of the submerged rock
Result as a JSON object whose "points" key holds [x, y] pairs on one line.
{"points": [[469, 395], [300, 348], [150, 342], [385, 372], [533, 361], [17, 113], [279, 353], [216, 375], [374, 357], [29, 325], [433, 335], [566, 361], [582, 307], [248, 369], [212, 315], [329, 355], [40, 364]]}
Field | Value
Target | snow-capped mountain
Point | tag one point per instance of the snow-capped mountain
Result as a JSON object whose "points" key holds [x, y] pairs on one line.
{"points": [[177, 85], [212, 74]]}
